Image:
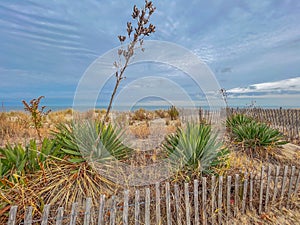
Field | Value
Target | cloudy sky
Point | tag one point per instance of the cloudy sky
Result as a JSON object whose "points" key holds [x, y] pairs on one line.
{"points": [[252, 47]]}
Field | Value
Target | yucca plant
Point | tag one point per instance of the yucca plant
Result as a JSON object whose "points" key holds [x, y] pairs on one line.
{"points": [[194, 148], [16, 161], [91, 140], [257, 136], [237, 120]]}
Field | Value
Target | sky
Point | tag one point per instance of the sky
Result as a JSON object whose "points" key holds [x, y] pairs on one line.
{"points": [[252, 47]]}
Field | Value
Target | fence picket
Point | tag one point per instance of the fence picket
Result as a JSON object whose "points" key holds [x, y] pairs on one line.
{"points": [[137, 208], [245, 192], [12, 215], [283, 186], [204, 197], [87, 213], [157, 205], [268, 188], [101, 210], [213, 200], [275, 185], [125, 207], [220, 200], [28, 216], [228, 198], [196, 202], [290, 186], [147, 207], [236, 195], [74, 213], [261, 190], [177, 204], [187, 203], [168, 204], [59, 216], [112, 212]]}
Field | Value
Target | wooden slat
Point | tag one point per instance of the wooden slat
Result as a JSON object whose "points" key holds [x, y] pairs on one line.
{"points": [[137, 208], [283, 185], [157, 205], [245, 188], [196, 202], [228, 197], [74, 213], [297, 184], [187, 204], [276, 185], [204, 199], [261, 190], [213, 199], [291, 186], [125, 207], [45, 214], [236, 195], [112, 212], [268, 188], [147, 207], [101, 210], [168, 204], [12, 215], [177, 204], [28, 216], [87, 213], [59, 216], [220, 199]]}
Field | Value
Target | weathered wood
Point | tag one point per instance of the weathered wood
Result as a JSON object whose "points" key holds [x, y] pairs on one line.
{"points": [[74, 213], [236, 195], [45, 214], [157, 203], [112, 211], [297, 184], [87, 213], [196, 202], [261, 190], [125, 207], [168, 204], [213, 199], [283, 185], [276, 185], [12, 215], [187, 204], [290, 186], [268, 188], [245, 188], [101, 210], [204, 197], [59, 216], [228, 197], [220, 198], [177, 204], [147, 207], [137, 208], [28, 216]]}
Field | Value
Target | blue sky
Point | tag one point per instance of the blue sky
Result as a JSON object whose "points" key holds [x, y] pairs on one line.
{"points": [[253, 47]]}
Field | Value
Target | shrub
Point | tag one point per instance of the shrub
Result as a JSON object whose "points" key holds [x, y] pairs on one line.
{"points": [[91, 139], [173, 113], [195, 149], [256, 136]]}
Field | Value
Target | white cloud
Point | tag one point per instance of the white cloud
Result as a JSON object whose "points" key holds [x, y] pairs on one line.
{"points": [[287, 85]]}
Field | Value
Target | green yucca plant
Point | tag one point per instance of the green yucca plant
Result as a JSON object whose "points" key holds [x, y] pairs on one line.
{"points": [[254, 136], [195, 148], [237, 120], [15, 161], [91, 140]]}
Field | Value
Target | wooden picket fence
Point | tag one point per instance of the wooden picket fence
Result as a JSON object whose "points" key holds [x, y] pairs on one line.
{"points": [[209, 200], [287, 121]]}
